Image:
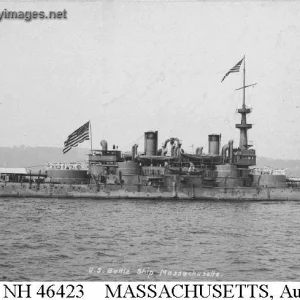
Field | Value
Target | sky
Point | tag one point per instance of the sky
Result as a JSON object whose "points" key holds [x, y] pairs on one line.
{"points": [[131, 67]]}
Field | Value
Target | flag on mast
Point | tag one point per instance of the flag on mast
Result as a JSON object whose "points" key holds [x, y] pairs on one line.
{"points": [[235, 69], [78, 136]]}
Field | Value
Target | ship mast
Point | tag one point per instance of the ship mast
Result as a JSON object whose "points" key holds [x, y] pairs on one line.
{"points": [[244, 126], [244, 84]]}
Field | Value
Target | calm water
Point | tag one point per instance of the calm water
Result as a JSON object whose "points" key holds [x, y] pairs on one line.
{"points": [[55, 239]]}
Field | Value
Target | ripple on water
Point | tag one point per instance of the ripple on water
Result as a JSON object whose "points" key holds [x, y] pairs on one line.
{"points": [[61, 239]]}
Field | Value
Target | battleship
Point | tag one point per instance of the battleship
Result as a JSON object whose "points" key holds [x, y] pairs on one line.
{"points": [[225, 172]]}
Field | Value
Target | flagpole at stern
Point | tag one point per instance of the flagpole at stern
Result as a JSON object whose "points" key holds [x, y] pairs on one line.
{"points": [[91, 136]]}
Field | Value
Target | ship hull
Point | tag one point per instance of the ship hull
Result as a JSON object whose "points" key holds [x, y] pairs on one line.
{"points": [[93, 191]]}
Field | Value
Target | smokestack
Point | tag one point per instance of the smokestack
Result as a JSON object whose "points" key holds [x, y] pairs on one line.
{"points": [[214, 144], [151, 138]]}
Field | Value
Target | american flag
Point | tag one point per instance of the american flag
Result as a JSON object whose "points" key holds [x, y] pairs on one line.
{"points": [[78, 136], [236, 68]]}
